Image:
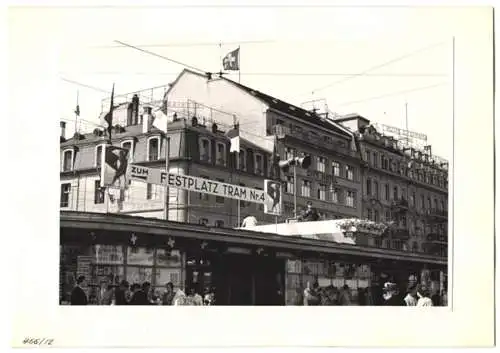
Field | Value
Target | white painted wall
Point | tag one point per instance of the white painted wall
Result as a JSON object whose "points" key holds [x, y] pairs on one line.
{"points": [[225, 96]]}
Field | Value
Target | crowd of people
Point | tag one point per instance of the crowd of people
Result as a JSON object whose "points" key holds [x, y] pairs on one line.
{"points": [[142, 294], [387, 295]]}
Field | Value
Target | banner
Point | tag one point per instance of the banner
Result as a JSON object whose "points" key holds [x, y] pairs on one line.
{"points": [[273, 200], [196, 184], [114, 167]]}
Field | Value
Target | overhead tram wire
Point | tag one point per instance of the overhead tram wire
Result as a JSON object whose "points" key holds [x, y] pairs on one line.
{"points": [[161, 57], [392, 61], [198, 44], [393, 94]]}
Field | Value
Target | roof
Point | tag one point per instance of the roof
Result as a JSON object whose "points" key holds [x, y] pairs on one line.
{"points": [[275, 103]]}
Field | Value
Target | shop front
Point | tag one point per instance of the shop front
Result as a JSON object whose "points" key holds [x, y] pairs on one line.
{"points": [[240, 267]]}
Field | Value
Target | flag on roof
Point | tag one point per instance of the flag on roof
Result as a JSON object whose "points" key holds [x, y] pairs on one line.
{"points": [[109, 116], [231, 61], [234, 137]]}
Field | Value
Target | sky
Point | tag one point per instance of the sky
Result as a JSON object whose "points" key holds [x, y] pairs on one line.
{"points": [[402, 57]]}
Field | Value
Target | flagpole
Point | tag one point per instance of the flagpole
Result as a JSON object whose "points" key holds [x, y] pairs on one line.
{"points": [[77, 111], [167, 152], [239, 64]]}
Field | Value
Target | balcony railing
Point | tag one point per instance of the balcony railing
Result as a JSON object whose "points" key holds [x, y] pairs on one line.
{"points": [[400, 203], [433, 212]]}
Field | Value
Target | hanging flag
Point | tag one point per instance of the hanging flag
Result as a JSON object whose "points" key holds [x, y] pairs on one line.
{"points": [[109, 116], [234, 137], [232, 60], [160, 119], [77, 110], [275, 158], [114, 167]]}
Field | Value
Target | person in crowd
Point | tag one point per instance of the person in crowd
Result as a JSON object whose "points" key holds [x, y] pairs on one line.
{"points": [[391, 295], [168, 295], [78, 296], [310, 214], [120, 293], [411, 296], [249, 221], [180, 297], [209, 297], [139, 296], [444, 298], [329, 297], [436, 298], [369, 296], [423, 297], [146, 287], [193, 297], [311, 294], [299, 297], [345, 296], [107, 295]]}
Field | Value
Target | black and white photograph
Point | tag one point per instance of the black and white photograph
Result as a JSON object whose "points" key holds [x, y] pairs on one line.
{"points": [[263, 156]]}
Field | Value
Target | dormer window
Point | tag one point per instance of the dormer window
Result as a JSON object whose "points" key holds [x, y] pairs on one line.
{"points": [[205, 153], [99, 150], [153, 152], [242, 160], [220, 154], [129, 145], [259, 164], [68, 159]]}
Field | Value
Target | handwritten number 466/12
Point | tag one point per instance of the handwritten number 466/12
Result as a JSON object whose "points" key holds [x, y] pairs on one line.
{"points": [[38, 341]]}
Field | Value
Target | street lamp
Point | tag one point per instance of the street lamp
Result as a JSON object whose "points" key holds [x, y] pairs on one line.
{"points": [[304, 163]]}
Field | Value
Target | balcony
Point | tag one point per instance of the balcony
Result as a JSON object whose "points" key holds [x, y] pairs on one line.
{"points": [[436, 213], [399, 205], [400, 233], [437, 238]]}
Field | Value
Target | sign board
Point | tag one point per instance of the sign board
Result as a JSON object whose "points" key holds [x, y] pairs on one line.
{"points": [[273, 201], [196, 184]]}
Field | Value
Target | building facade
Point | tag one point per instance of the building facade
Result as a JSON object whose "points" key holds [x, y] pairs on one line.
{"points": [[404, 185], [332, 183]]}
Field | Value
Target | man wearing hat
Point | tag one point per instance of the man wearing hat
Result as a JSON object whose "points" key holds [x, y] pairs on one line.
{"points": [[391, 295]]}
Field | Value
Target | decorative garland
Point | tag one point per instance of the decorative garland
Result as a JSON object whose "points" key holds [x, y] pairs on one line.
{"points": [[363, 226]]}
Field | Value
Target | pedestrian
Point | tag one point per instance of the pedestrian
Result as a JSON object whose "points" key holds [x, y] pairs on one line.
{"points": [[168, 295], [249, 221], [345, 296], [311, 294], [423, 297], [310, 214], [78, 296], [139, 296], [391, 295], [411, 296], [193, 297], [179, 297], [121, 293]]}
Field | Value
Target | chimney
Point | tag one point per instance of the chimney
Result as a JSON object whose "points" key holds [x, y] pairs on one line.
{"points": [[146, 119], [63, 129], [135, 109]]}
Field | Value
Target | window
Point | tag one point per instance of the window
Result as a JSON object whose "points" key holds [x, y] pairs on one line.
{"points": [[422, 201], [368, 187], [412, 199], [367, 156], [397, 244], [205, 150], [290, 152], [349, 172], [375, 159], [391, 168], [375, 189], [336, 168], [386, 188], [153, 148], [220, 154], [219, 223], [335, 195], [202, 195], [322, 192], [67, 160], [395, 193], [321, 164], [128, 145], [429, 205], [259, 164], [306, 188], [403, 194], [387, 216], [98, 192], [376, 216], [435, 204], [442, 206], [98, 155], [369, 214], [349, 200], [289, 185], [153, 191], [65, 191], [219, 199], [242, 160]]}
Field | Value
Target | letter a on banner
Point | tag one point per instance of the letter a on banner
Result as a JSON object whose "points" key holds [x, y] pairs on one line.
{"points": [[273, 202], [114, 167]]}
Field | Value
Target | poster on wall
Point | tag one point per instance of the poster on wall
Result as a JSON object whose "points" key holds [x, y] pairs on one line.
{"points": [[273, 204]]}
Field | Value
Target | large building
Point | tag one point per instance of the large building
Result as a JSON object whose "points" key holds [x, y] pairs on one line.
{"points": [[403, 184], [332, 183]]}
